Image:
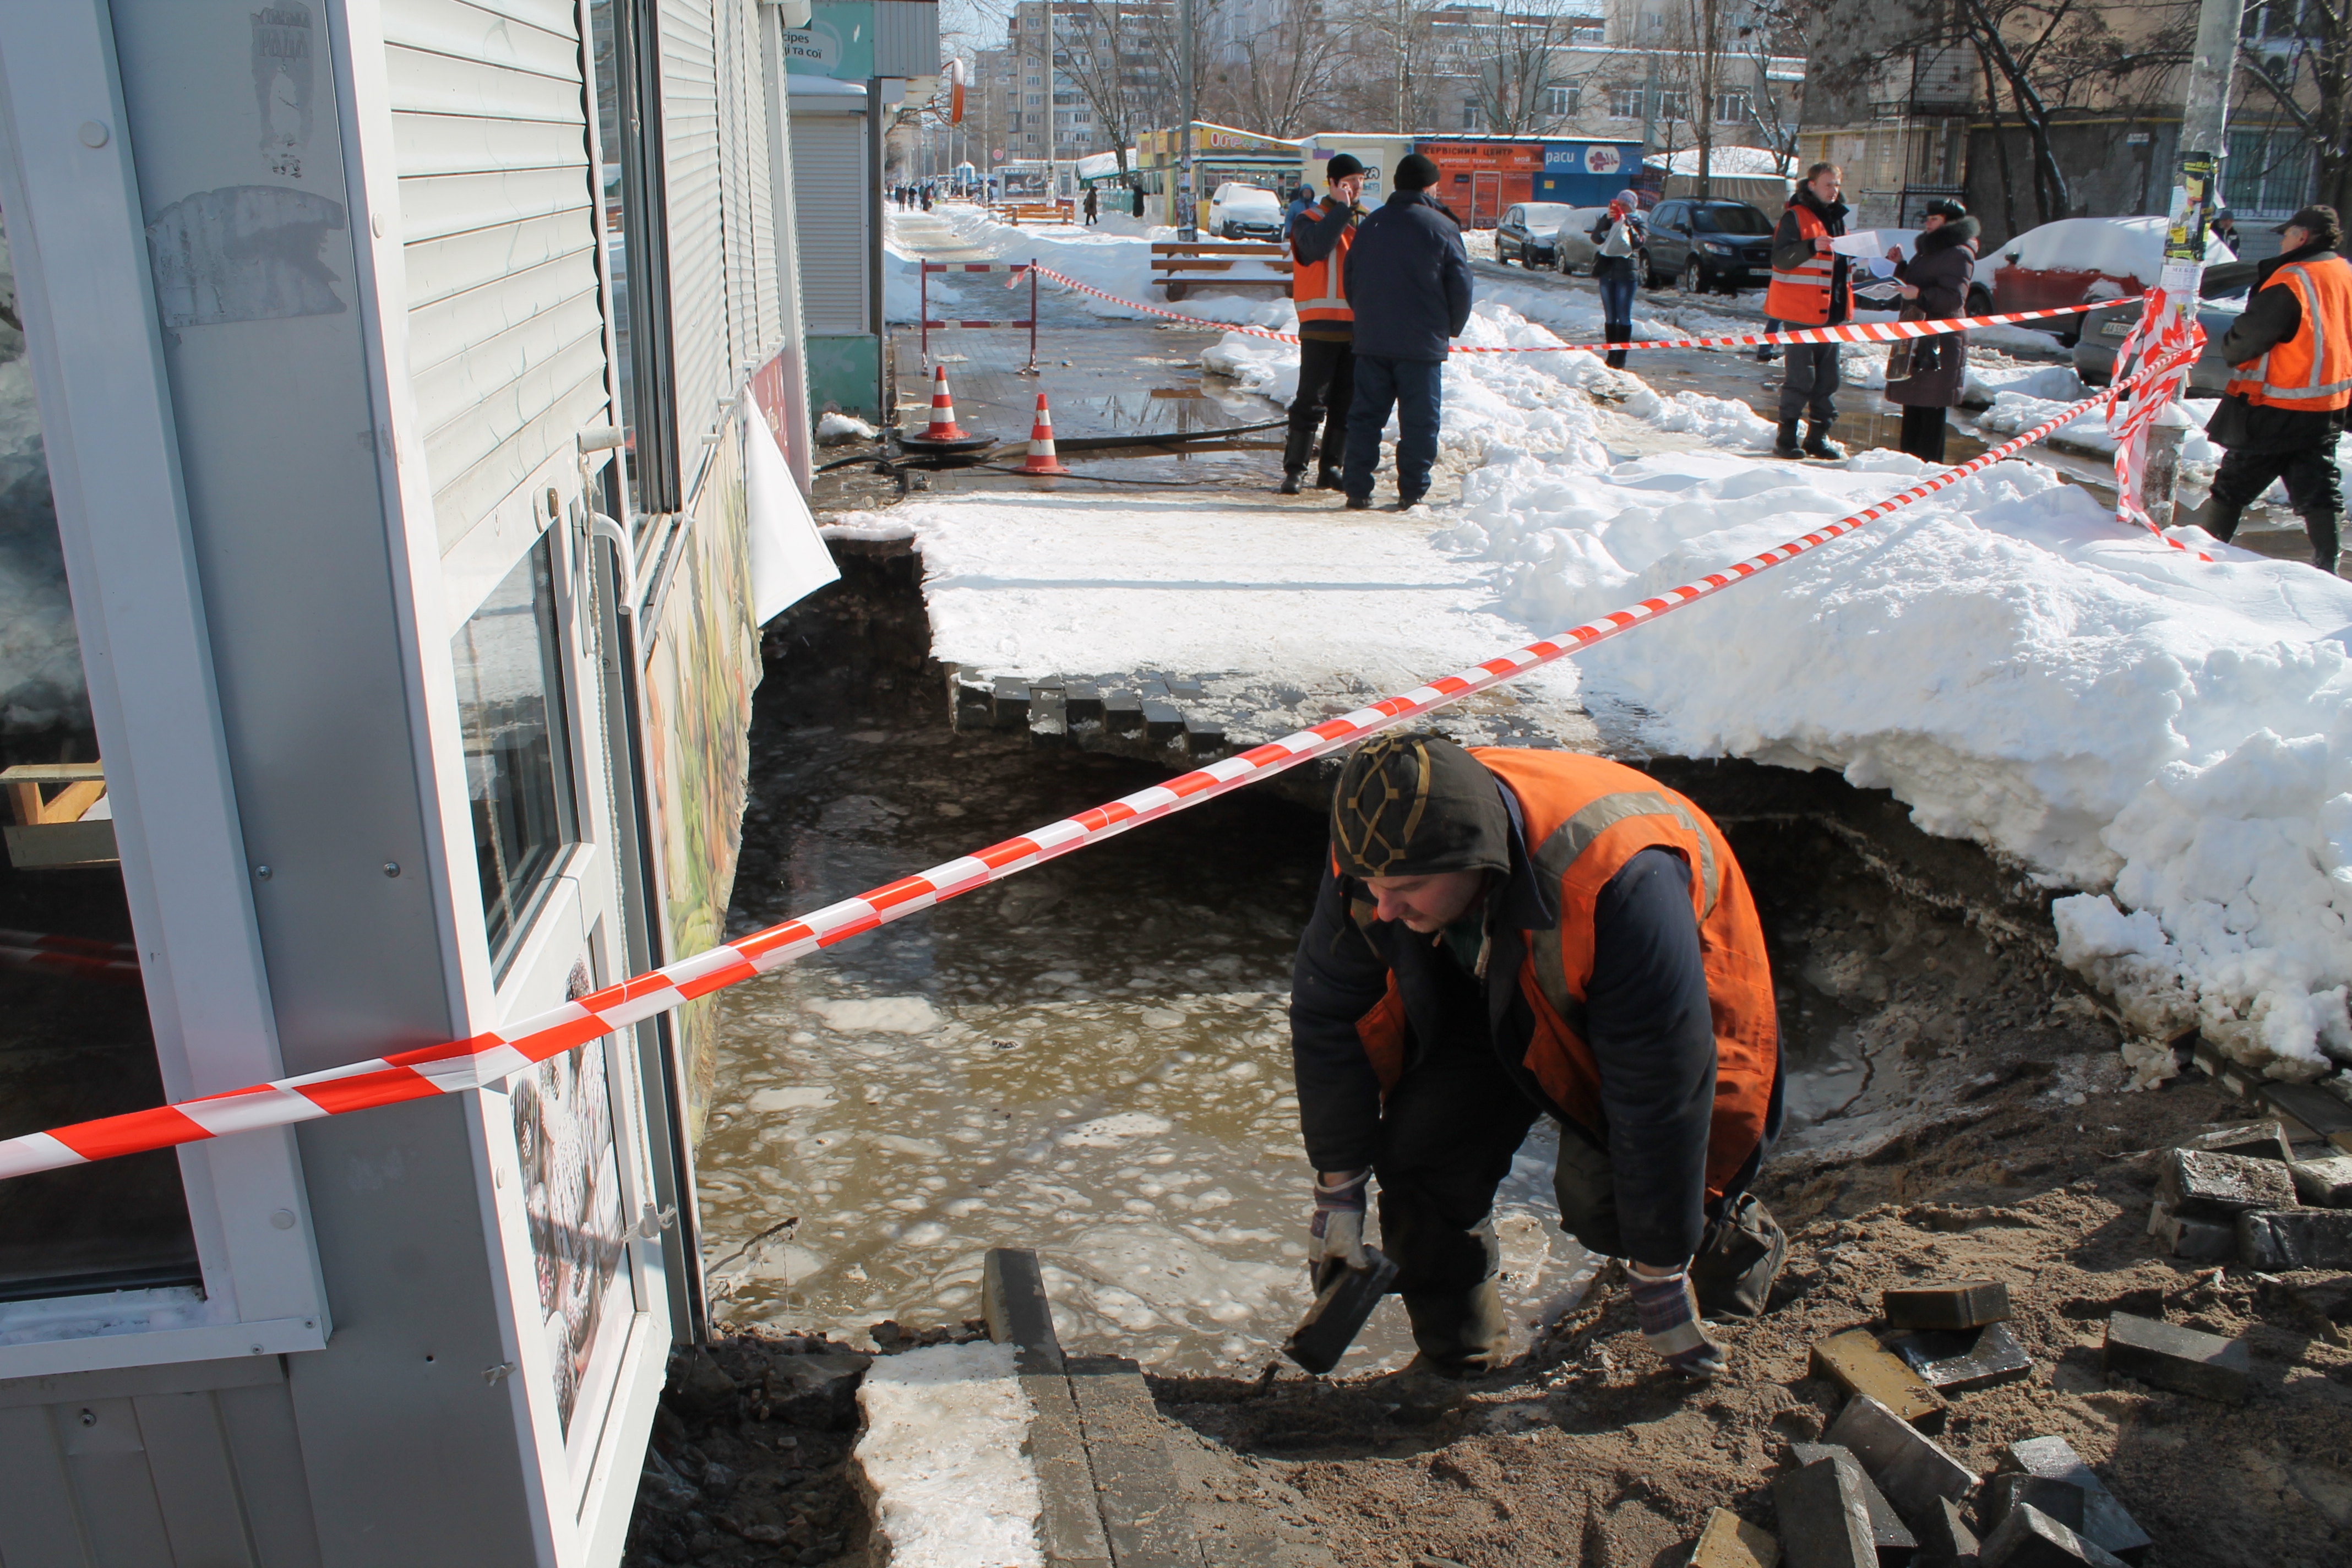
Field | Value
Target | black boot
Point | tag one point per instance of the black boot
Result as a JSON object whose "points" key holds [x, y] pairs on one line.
{"points": [[1297, 445], [2323, 527], [1784, 440], [1327, 477], [1818, 443], [1617, 332], [2223, 524], [1289, 482]]}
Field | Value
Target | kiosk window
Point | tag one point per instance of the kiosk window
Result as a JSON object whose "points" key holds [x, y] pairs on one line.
{"points": [[518, 767]]}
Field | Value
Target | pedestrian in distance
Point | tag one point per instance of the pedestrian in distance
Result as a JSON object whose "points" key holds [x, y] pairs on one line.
{"points": [[1320, 236], [1302, 201], [1617, 241], [1094, 201], [1502, 934], [1812, 286], [2290, 386], [1407, 284], [1136, 190], [1924, 376]]}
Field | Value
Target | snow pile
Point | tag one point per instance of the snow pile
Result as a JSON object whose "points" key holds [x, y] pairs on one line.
{"points": [[2122, 250], [2014, 413], [1731, 161], [838, 429], [1990, 375], [945, 1453]]}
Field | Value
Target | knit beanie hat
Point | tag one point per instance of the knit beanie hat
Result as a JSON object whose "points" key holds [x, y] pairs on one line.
{"points": [[1341, 165], [1407, 806], [1415, 172]]}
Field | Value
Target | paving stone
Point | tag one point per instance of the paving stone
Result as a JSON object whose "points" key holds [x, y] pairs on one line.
{"points": [[1854, 1360], [1824, 1520], [2105, 1519], [1084, 703], [1945, 1539], [1204, 736], [2323, 1183], [1013, 1305], [1890, 1538], [2196, 1186], [1163, 720], [1180, 689], [1009, 703], [1730, 1542], [1143, 1513], [1123, 714], [2315, 1107], [1969, 1360], [1911, 1468], [2275, 1240], [975, 706], [2028, 1538], [2062, 1500], [2255, 1141], [2166, 1355], [1950, 1304], [2200, 1240], [1049, 717]]}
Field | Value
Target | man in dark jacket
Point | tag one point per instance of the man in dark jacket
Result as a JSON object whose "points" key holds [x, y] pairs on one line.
{"points": [[2269, 433], [1320, 234], [1812, 287], [1408, 284]]}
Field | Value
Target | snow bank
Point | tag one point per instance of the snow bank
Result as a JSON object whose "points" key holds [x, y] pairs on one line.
{"points": [[945, 1453], [2012, 413]]}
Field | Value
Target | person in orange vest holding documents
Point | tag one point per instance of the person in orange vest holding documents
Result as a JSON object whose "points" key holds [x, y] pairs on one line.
{"points": [[1319, 237], [2290, 386], [1812, 286]]}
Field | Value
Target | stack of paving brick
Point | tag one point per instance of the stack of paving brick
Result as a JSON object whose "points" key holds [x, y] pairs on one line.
{"points": [[1878, 1491], [2249, 1194], [1157, 717]]}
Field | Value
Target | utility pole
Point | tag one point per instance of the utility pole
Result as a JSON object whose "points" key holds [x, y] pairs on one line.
{"points": [[1185, 228], [1403, 67], [1649, 106], [2204, 122], [1053, 190]]}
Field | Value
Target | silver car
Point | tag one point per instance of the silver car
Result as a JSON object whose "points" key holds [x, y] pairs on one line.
{"points": [[1573, 247], [2222, 300]]}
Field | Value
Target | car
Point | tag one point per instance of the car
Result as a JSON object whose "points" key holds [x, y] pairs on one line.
{"points": [[2076, 261], [1244, 212], [1528, 233], [1572, 242], [1708, 245], [2221, 293]]}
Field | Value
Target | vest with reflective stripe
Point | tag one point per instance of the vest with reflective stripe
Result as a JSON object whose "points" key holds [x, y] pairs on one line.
{"points": [[1315, 286], [1802, 296], [1585, 818], [2312, 369]]}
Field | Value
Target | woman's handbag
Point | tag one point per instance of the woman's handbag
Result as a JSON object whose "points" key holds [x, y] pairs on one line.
{"points": [[1912, 356]]}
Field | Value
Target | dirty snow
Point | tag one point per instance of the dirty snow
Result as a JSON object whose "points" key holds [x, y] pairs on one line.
{"points": [[945, 1451]]}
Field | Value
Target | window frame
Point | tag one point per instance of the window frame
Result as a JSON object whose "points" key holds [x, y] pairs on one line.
{"points": [[657, 468]]}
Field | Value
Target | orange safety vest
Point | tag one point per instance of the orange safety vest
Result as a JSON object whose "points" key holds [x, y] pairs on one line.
{"points": [[1585, 818], [1316, 286], [1802, 296], [2312, 369]]}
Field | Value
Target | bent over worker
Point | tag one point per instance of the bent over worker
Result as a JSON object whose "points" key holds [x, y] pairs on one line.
{"points": [[1319, 236], [1502, 934], [2290, 386]]}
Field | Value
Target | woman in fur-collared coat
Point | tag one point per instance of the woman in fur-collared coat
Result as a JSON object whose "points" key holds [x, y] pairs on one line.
{"points": [[1925, 375]]}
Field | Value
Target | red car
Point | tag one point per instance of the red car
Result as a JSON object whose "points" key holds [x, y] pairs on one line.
{"points": [[2076, 261]]}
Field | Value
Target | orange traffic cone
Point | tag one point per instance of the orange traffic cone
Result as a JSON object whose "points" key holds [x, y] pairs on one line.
{"points": [[1041, 459], [943, 426]]}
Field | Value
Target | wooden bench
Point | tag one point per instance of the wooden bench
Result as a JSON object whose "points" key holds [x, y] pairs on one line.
{"points": [[1018, 213], [1177, 267]]}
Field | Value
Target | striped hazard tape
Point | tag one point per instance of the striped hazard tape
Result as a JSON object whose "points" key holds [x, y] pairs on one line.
{"points": [[487, 1059], [70, 957]]}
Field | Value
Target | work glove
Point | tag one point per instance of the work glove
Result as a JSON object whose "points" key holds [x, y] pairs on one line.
{"points": [[1337, 1232], [1669, 1314]]}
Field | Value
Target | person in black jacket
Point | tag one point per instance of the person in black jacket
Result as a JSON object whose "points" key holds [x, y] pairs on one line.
{"points": [[1408, 282], [1319, 237], [1924, 376]]}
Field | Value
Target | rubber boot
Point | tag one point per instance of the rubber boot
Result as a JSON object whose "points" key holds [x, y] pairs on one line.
{"points": [[1289, 486], [2221, 518], [1295, 443], [1818, 443], [1617, 332], [1461, 1335], [1327, 478], [2323, 527], [1784, 440]]}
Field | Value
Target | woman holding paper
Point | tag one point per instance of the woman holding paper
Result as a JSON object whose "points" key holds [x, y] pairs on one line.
{"points": [[1925, 375]]}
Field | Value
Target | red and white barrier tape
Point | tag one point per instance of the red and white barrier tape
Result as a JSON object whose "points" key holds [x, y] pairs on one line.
{"points": [[1851, 332], [487, 1059], [2162, 331], [942, 326], [977, 266]]}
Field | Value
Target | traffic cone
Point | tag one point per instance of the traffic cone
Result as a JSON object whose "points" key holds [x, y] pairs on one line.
{"points": [[1041, 444], [943, 426]]}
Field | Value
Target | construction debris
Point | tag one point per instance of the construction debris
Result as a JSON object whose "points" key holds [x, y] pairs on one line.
{"points": [[2255, 1141], [1959, 1363], [1825, 1516], [2166, 1355], [2028, 1538], [2196, 1186], [2277, 1240], [2105, 1520], [1909, 1467], [1730, 1542], [1855, 1362], [1959, 1304], [1889, 1537]]}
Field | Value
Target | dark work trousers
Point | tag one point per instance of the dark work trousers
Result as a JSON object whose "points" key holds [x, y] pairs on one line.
{"points": [[1619, 277], [1326, 389], [1809, 390], [1923, 433], [2313, 488], [1414, 388], [1739, 1253]]}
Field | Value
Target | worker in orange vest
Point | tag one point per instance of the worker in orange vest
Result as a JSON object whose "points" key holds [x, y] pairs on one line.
{"points": [[1319, 237], [1502, 934], [2290, 386], [1812, 286]]}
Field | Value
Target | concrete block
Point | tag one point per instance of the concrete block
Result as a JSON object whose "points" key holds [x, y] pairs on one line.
{"points": [[2062, 1500], [1909, 1468], [1163, 720], [2255, 1141], [1971, 1359], [2323, 1183], [1123, 714], [2105, 1520], [1184, 689], [1152, 690], [1012, 1304], [1009, 703], [1951, 1304], [1083, 700], [1204, 738], [1824, 1521], [1854, 1363], [974, 706], [2028, 1538], [2317, 1110], [1945, 1539], [2166, 1355], [2197, 1186], [1890, 1538], [2275, 1240], [1143, 1513], [1730, 1542], [2202, 1240]]}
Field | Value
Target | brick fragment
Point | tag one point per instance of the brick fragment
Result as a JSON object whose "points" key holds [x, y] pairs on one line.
{"points": [[1889, 1536], [1970, 1359], [1952, 1304], [1906, 1465], [2062, 1500], [2028, 1538], [2323, 1183], [2197, 1186], [2276, 1240], [2253, 1140], [2166, 1355], [1824, 1522], [1854, 1363], [2200, 1240], [1730, 1542], [2105, 1519]]}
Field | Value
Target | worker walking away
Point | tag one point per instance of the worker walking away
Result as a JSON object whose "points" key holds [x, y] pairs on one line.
{"points": [[1617, 242], [1320, 234], [1924, 376], [1094, 205], [1812, 286], [1407, 283], [1502, 934], [2290, 384]]}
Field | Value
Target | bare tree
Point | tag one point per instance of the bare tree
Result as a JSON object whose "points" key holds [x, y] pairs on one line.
{"points": [[1516, 50], [1285, 75], [2299, 59]]}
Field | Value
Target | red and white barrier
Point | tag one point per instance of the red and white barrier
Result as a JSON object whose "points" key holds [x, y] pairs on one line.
{"points": [[70, 957], [2164, 333], [489, 1059]]}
